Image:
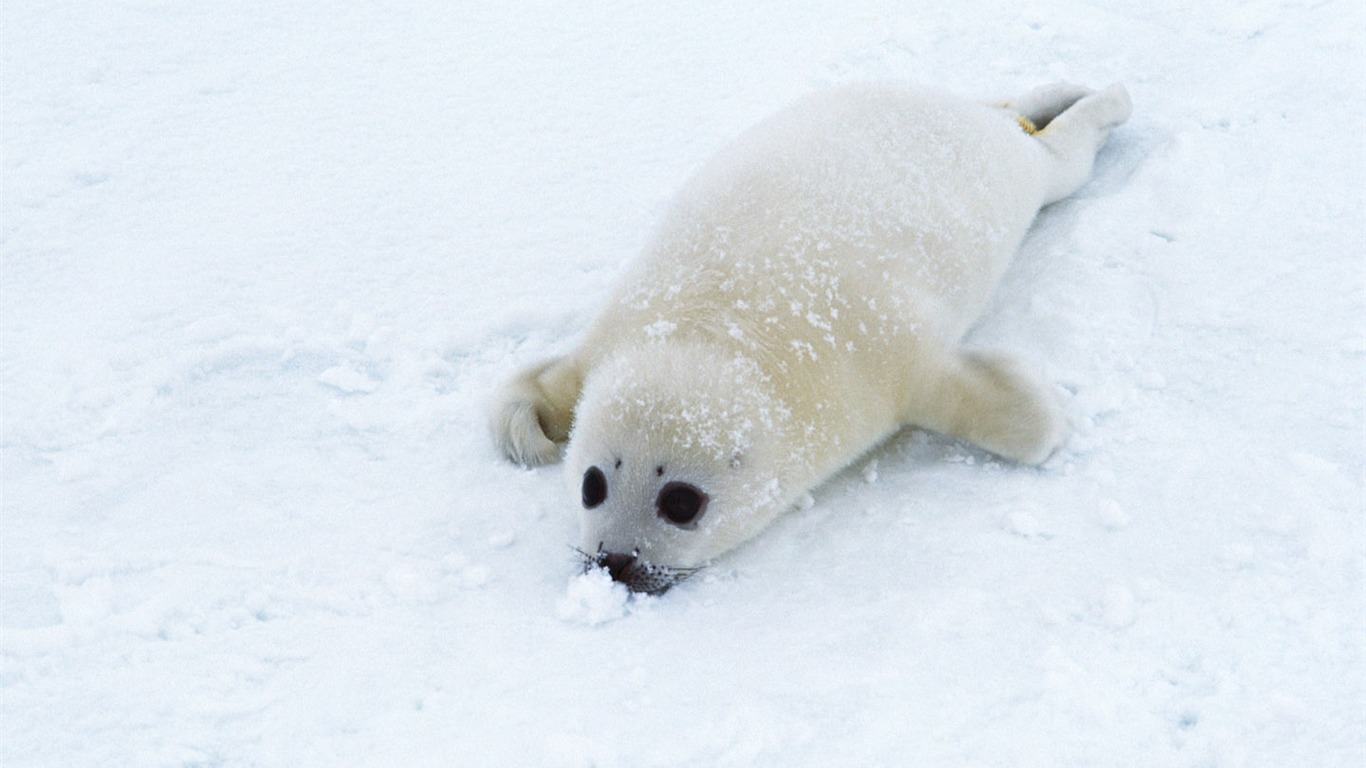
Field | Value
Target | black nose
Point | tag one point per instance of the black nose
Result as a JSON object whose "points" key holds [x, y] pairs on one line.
{"points": [[617, 565]]}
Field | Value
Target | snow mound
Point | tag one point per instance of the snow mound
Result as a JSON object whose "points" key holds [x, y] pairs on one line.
{"points": [[592, 598]]}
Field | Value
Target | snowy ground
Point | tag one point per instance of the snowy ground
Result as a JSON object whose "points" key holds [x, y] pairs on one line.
{"points": [[263, 263]]}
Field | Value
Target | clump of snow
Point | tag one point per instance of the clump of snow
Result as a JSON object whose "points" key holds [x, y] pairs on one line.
{"points": [[592, 598], [660, 329], [348, 380], [1111, 514], [1024, 524], [870, 472]]}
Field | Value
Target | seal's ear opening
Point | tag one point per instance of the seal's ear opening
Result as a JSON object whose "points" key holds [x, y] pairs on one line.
{"points": [[681, 504]]}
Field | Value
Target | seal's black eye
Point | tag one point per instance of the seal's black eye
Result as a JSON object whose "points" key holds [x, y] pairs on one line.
{"points": [[594, 488], [681, 504]]}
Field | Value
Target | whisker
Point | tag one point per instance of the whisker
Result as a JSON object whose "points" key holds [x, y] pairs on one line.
{"points": [[643, 577], [589, 562]]}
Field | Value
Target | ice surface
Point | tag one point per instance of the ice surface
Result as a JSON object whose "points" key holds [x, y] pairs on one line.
{"points": [[261, 265]]}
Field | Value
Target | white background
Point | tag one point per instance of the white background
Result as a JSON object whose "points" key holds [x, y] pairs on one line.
{"points": [[263, 263]]}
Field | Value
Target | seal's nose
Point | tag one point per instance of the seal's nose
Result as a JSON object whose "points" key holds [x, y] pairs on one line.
{"points": [[616, 564]]}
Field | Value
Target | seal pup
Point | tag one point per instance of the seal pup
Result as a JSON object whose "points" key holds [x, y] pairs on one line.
{"points": [[804, 298]]}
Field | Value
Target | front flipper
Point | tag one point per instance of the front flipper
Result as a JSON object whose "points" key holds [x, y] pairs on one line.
{"points": [[534, 411], [992, 400]]}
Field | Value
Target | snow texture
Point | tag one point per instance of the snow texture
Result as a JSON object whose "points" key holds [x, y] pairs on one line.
{"points": [[264, 263]]}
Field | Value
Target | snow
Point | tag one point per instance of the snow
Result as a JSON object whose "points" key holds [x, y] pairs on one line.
{"points": [[264, 263], [593, 598]]}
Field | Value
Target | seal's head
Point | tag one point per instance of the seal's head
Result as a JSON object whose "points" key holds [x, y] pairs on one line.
{"points": [[675, 457]]}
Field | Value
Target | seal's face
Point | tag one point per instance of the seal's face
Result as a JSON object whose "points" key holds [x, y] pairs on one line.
{"points": [[672, 462]]}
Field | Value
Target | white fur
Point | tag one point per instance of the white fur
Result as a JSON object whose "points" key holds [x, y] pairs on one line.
{"points": [[803, 299]]}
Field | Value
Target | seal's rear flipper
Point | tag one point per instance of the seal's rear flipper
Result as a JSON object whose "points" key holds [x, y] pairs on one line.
{"points": [[1073, 137], [1044, 103]]}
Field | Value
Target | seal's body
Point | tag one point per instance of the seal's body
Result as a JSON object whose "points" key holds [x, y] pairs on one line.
{"points": [[803, 299]]}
